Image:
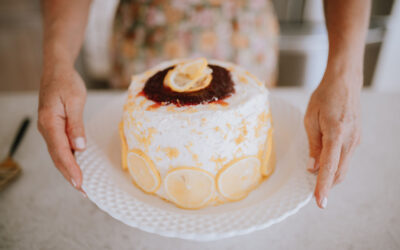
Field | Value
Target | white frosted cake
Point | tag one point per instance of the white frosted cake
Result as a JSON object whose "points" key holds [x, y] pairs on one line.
{"points": [[197, 132]]}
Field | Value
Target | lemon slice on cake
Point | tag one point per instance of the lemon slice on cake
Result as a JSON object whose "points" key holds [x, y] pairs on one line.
{"points": [[189, 187], [202, 82], [193, 69], [143, 172], [124, 146], [238, 178], [189, 76], [269, 158]]}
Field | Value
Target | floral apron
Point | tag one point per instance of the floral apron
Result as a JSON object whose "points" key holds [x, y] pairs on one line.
{"points": [[147, 32]]}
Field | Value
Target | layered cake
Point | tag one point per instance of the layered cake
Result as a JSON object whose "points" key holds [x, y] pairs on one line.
{"points": [[197, 132]]}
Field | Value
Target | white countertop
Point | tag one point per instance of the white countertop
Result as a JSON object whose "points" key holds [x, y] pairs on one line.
{"points": [[41, 211]]}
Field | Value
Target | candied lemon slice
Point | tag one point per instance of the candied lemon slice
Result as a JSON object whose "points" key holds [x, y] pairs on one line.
{"points": [[143, 172], [189, 76], [203, 82], [178, 82], [189, 187], [124, 147], [269, 157], [193, 69], [239, 177]]}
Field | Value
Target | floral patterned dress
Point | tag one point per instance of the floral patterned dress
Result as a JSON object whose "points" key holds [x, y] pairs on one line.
{"points": [[147, 32]]}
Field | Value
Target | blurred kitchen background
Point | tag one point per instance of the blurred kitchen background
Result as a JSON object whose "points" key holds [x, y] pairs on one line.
{"points": [[303, 44]]}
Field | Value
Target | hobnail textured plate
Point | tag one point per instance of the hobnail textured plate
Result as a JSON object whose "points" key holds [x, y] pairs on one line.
{"points": [[110, 188]]}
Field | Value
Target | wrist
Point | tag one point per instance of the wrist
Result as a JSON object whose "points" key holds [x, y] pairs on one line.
{"points": [[55, 59], [54, 53], [346, 59], [54, 68], [346, 66], [344, 73]]}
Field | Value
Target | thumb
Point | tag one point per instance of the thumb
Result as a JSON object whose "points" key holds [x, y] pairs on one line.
{"points": [[74, 126], [314, 140]]}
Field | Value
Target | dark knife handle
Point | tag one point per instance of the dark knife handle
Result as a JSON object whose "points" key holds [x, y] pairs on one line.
{"points": [[18, 138]]}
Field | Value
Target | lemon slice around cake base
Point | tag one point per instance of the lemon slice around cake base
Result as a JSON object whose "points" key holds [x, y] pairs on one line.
{"points": [[269, 157], [238, 178], [124, 147], [143, 172], [189, 188]]}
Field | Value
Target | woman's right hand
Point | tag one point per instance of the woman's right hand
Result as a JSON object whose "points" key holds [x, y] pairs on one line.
{"points": [[61, 102]]}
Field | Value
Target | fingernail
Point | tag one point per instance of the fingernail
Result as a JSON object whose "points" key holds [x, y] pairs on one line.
{"points": [[73, 183], [80, 143], [84, 195], [324, 202], [310, 163]]}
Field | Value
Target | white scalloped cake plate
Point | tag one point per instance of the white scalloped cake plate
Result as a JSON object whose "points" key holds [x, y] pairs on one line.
{"points": [[111, 189]]}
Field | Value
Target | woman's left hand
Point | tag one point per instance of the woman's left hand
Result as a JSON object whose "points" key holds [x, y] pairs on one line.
{"points": [[332, 122]]}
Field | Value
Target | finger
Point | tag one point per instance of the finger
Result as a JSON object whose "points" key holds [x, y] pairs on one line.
{"points": [[63, 157], [342, 168], [314, 169], [345, 156], [314, 140], [75, 127], [53, 130], [329, 161]]}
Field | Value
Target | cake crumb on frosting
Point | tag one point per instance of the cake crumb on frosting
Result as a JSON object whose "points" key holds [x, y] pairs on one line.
{"points": [[218, 161], [243, 79], [171, 152], [261, 121], [243, 132]]}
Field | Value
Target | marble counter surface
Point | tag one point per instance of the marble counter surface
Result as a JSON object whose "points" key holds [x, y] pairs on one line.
{"points": [[41, 211]]}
